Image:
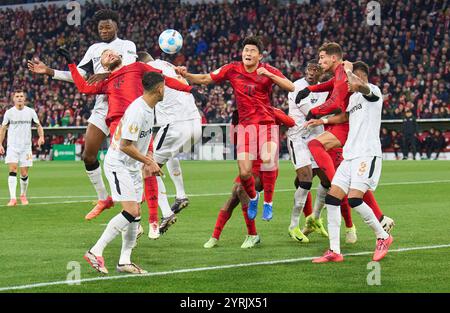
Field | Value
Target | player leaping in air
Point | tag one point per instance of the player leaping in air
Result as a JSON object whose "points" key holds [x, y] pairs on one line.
{"points": [[107, 25], [335, 136], [252, 82]]}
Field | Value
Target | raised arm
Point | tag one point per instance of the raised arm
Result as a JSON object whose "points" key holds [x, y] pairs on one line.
{"points": [[82, 84], [277, 78]]}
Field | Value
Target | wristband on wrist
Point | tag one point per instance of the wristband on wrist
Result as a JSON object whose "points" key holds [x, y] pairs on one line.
{"points": [[325, 120]]}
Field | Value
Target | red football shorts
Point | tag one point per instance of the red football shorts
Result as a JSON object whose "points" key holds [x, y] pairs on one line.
{"points": [[251, 138], [336, 156], [340, 131]]}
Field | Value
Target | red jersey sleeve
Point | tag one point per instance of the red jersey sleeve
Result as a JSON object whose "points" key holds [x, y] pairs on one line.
{"points": [[274, 70], [147, 68], [335, 102], [83, 86], [168, 81], [176, 84], [282, 118], [222, 73], [326, 86]]}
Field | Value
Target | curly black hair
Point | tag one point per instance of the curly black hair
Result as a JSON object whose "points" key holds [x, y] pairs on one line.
{"points": [[106, 14]]}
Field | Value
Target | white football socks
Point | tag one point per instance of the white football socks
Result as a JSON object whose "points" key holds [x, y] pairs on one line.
{"points": [[334, 226], [369, 218], [129, 237], [96, 179], [300, 196], [320, 200], [163, 202], [12, 184], [24, 185], [115, 226], [174, 168]]}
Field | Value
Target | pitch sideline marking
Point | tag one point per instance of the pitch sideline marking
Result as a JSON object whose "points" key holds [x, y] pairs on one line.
{"points": [[202, 269], [206, 194]]}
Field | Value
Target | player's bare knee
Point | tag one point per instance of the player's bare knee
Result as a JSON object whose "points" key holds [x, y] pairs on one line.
{"points": [[24, 171], [304, 174], [13, 168]]}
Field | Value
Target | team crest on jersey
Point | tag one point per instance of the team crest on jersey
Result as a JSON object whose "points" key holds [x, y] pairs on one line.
{"points": [[133, 129], [362, 168]]}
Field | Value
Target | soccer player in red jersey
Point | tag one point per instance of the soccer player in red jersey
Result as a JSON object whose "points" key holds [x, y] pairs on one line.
{"points": [[356, 81], [252, 82], [238, 194], [123, 86]]}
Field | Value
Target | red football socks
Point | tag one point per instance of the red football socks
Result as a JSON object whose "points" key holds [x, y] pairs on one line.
{"points": [[251, 226], [249, 186], [307, 209], [322, 158], [369, 199], [151, 197], [346, 212], [269, 178], [222, 219]]}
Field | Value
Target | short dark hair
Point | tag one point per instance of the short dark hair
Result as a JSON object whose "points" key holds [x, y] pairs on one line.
{"points": [[151, 79], [107, 14], [18, 90], [142, 56], [255, 41], [361, 66], [331, 48]]}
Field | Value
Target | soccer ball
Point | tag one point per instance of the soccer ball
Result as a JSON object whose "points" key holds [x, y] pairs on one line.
{"points": [[170, 41]]}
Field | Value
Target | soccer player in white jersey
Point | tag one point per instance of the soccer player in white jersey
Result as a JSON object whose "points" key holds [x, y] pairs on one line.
{"points": [[97, 129], [180, 128], [361, 169], [123, 167], [298, 138], [17, 122]]}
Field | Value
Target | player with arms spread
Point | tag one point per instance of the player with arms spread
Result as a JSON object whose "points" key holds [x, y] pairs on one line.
{"points": [[252, 82], [17, 121], [97, 130]]}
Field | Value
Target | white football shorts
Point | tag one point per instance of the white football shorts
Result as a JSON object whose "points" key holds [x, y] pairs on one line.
{"points": [[125, 185], [21, 155], [361, 174], [175, 138]]}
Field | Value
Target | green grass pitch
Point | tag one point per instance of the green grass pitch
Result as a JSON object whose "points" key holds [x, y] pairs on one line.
{"points": [[38, 241]]}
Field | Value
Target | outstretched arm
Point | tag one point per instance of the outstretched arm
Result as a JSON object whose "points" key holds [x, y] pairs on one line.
{"points": [[199, 79], [39, 67], [82, 85]]}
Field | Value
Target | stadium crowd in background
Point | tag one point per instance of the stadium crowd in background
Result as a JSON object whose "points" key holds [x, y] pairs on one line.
{"points": [[408, 53]]}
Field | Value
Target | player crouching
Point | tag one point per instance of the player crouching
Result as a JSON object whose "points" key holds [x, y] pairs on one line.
{"points": [[123, 164]]}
